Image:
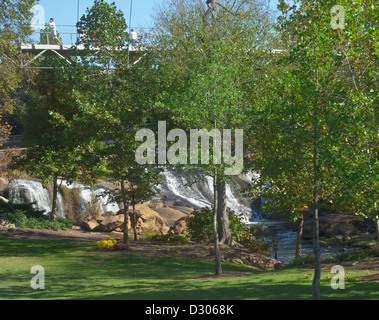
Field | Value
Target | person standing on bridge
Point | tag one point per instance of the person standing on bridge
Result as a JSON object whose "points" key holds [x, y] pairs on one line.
{"points": [[53, 27], [133, 37]]}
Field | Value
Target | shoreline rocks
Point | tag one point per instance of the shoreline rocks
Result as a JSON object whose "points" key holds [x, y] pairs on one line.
{"points": [[334, 225], [147, 221]]}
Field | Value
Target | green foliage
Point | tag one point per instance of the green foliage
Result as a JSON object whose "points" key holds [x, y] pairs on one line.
{"points": [[15, 16], [356, 255], [27, 207], [319, 129], [207, 75], [26, 220], [199, 226], [142, 184], [172, 238], [28, 217], [103, 27]]}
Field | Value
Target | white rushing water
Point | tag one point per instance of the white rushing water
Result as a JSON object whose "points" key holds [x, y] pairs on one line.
{"points": [[89, 195], [196, 190], [190, 188], [28, 191]]}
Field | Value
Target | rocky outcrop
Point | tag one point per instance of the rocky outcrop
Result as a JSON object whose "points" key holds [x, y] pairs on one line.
{"points": [[180, 227], [110, 221], [89, 225], [147, 220], [103, 222], [3, 185], [334, 225]]}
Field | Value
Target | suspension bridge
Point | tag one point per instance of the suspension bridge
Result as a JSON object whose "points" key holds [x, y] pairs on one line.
{"points": [[41, 44]]}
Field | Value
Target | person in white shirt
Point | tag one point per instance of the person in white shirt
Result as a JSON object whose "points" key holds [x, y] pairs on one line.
{"points": [[53, 27], [133, 37]]}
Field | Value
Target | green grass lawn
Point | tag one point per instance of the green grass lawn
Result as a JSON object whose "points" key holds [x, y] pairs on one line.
{"points": [[77, 270]]}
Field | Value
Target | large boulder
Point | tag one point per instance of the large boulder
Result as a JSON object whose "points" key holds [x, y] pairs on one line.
{"points": [[180, 227], [89, 225], [148, 220], [109, 222], [170, 215], [103, 222]]}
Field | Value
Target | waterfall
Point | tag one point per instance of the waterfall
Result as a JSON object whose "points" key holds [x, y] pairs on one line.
{"points": [[28, 191], [192, 188], [182, 187], [89, 196]]}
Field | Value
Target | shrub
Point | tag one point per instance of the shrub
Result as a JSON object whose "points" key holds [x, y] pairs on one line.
{"points": [[199, 226], [27, 208], [44, 222]]}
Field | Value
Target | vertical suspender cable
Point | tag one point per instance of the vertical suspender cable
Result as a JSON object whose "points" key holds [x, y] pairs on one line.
{"points": [[130, 25]]}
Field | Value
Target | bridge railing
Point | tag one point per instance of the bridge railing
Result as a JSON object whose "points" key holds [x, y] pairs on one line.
{"points": [[68, 34]]}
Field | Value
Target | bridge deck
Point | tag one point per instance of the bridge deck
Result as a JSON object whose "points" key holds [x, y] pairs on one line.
{"points": [[40, 44], [65, 50]]}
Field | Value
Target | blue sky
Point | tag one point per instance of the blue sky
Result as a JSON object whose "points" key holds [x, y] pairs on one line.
{"points": [[64, 12]]}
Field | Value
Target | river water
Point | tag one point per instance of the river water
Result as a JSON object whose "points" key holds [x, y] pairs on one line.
{"points": [[287, 234], [179, 187]]}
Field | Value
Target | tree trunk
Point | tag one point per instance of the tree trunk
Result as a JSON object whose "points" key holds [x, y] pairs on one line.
{"points": [[316, 253], [126, 211], [223, 226], [214, 227], [55, 197], [300, 224], [134, 221], [316, 236], [377, 227]]}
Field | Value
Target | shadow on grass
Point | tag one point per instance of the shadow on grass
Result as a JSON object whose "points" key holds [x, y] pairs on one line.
{"points": [[75, 270], [41, 248]]}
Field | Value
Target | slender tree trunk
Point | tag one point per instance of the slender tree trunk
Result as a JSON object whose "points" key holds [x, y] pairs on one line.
{"points": [[223, 225], [134, 221], [316, 237], [316, 186], [377, 227], [126, 211], [316, 252], [214, 227], [300, 225], [55, 197]]}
